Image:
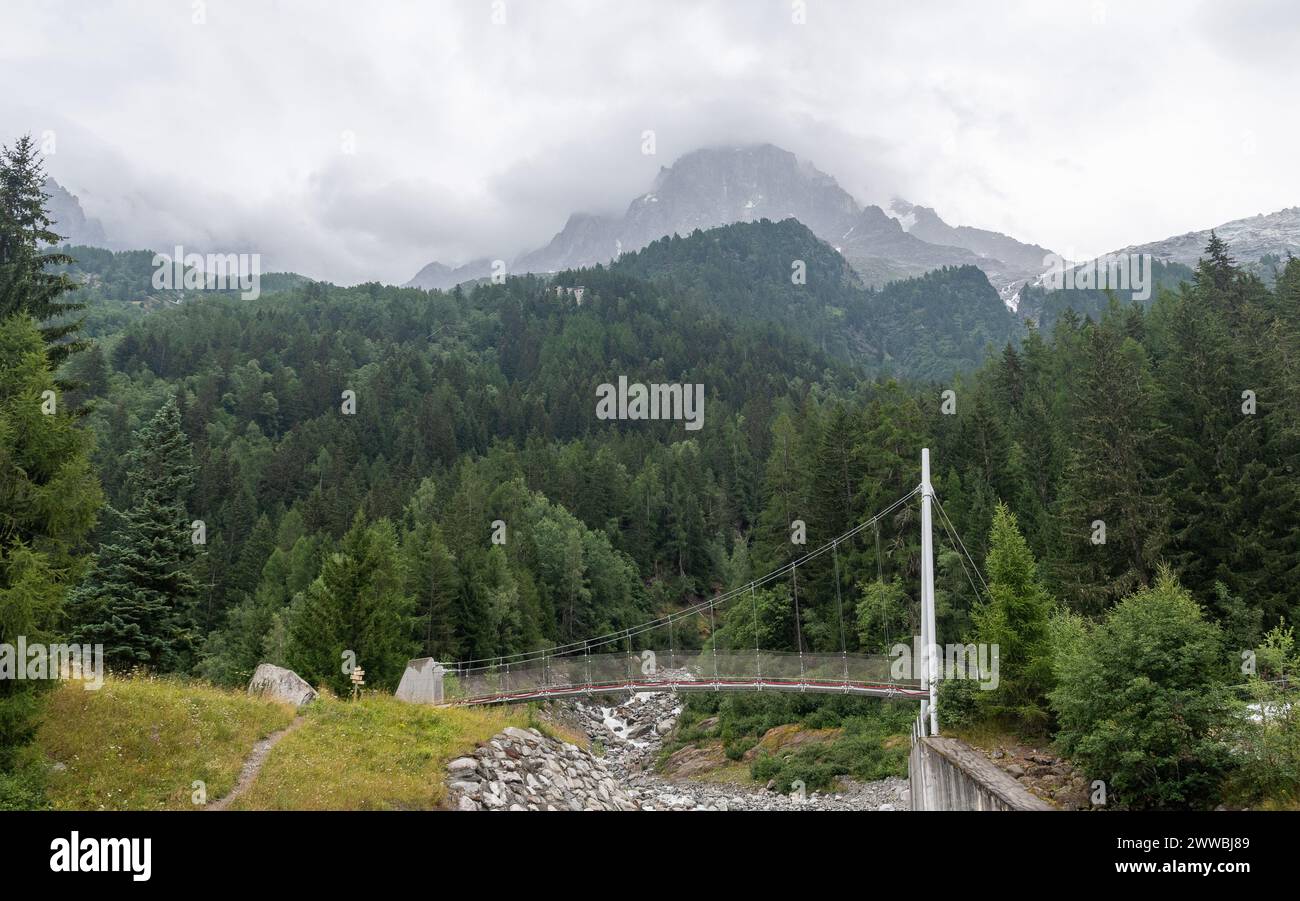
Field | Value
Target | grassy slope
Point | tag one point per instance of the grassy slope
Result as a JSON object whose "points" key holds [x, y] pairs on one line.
{"points": [[140, 744], [378, 753]]}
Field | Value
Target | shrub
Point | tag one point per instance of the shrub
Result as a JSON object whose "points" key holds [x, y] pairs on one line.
{"points": [[1142, 699], [1269, 736]]}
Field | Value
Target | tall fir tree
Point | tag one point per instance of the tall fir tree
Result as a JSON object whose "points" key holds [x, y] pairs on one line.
{"points": [[26, 283], [429, 579], [1014, 619], [138, 600], [49, 497], [1112, 512], [355, 605]]}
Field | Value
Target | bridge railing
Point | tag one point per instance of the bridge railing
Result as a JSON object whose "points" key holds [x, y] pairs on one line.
{"points": [[675, 669]]}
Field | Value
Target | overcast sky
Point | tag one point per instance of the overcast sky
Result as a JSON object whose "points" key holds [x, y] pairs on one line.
{"points": [[1083, 126]]}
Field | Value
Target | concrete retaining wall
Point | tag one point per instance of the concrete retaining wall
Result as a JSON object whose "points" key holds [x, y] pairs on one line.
{"points": [[948, 774]]}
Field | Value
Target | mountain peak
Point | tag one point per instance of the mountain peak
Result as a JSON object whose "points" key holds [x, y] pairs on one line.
{"points": [[725, 184], [69, 220], [1009, 263]]}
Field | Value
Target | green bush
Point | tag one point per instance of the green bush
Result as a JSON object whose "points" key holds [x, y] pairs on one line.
{"points": [[863, 750], [1269, 738], [958, 703], [22, 773], [23, 786], [867, 725], [1142, 699]]}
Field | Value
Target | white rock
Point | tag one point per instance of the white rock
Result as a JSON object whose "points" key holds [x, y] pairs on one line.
{"points": [[280, 684]]}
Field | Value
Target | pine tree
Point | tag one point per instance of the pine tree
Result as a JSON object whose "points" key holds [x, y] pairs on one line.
{"points": [[355, 605], [891, 467], [838, 470], [1217, 272], [49, 497], [429, 579], [25, 284], [1110, 475], [1014, 619], [138, 600], [785, 485]]}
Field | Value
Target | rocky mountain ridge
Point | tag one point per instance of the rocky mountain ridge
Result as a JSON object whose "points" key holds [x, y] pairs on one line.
{"points": [[712, 187], [1275, 234], [69, 220]]}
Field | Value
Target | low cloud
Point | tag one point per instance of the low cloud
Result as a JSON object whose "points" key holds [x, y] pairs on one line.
{"points": [[1072, 126]]}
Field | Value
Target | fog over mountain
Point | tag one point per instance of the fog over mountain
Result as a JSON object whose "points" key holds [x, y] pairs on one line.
{"points": [[68, 219], [375, 142], [718, 186]]}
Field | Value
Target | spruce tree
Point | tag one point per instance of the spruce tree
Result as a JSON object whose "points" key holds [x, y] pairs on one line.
{"points": [[138, 600], [429, 579], [1015, 620], [49, 497], [26, 285], [355, 605], [1110, 478]]}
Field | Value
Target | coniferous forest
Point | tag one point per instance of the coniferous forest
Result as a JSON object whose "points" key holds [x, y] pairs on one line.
{"points": [[127, 429], [765, 410]]}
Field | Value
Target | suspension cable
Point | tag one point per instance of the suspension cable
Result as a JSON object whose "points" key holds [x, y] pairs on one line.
{"points": [[959, 544], [614, 637]]}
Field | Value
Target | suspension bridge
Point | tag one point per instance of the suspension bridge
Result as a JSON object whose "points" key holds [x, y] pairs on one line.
{"points": [[621, 661]]}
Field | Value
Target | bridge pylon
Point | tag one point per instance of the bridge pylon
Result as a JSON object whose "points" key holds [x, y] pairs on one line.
{"points": [[929, 641]]}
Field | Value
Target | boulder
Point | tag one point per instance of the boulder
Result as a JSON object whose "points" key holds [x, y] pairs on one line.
{"points": [[280, 684], [692, 761]]}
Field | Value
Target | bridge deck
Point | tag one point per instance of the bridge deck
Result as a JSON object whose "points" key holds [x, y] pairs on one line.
{"points": [[809, 686], [557, 677]]}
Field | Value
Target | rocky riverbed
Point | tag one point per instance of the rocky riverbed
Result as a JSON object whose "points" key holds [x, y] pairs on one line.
{"points": [[632, 733], [522, 769]]}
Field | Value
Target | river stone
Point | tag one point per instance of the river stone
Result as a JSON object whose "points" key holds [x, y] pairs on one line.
{"points": [[280, 684]]}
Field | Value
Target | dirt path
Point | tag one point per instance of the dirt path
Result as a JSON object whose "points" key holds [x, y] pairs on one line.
{"points": [[253, 765]]}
